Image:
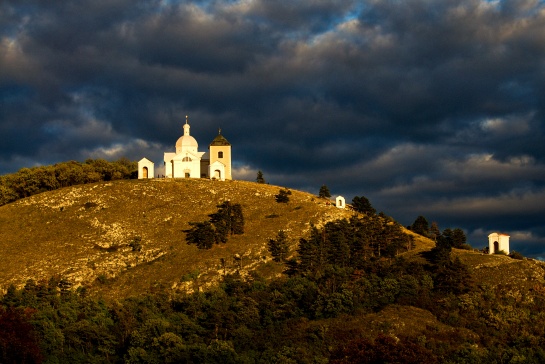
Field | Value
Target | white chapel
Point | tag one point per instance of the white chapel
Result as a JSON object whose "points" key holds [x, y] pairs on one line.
{"points": [[188, 162], [498, 242]]}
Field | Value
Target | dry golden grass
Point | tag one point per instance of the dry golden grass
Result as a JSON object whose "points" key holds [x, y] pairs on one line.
{"points": [[83, 233]]}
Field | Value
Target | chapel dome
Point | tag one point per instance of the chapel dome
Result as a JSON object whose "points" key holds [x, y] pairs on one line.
{"points": [[186, 141]]}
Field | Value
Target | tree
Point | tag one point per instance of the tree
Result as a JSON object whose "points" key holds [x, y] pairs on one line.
{"points": [[324, 192], [279, 247], [18, 340], [283, 196], [453, 277], [420, 226], [434, 231], [260, 178], [362, 204], [237, 220], [221, 220], [201, 234], [440, 254], [227, 221], [458, 238]]}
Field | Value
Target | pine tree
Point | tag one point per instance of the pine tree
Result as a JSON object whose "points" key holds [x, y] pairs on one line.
{"points": [[362, 204], [434, 231], [201, 234], [440, 254], [279, 247], [458, 238], [313, 251], [420, 226], [324, 192], [338, 243], [260, 178], [222, 222]]}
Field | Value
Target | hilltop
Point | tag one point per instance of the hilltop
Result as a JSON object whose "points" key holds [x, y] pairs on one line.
{"points": [[149, 297], [84, 233]]}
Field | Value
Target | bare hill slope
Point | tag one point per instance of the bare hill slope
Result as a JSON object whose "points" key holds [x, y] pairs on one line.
{"points": [[84, 233]]}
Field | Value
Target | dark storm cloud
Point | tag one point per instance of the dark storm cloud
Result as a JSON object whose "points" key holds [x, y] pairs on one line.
{"points": [[425, 107]]}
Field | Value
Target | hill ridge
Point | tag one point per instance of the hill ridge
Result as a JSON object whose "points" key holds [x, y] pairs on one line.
{"points": [[83, 232]]}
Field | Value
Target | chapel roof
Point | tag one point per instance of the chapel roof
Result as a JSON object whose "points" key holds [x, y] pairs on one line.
{"points": [[219, 140], [186, 141]]}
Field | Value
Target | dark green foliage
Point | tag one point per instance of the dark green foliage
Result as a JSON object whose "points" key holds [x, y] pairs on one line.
{"points": [[458, 238], [201, 234], [352, 243], [227, 221], [30, 181], [420, 226], [334, 315], [260, 178], [516, 255], [453, 277], [361, 204], [384, 349], [237, 220], [279, 247], [283, 196], [324, 192], [434, 231], [440, 254], [221, 222]]}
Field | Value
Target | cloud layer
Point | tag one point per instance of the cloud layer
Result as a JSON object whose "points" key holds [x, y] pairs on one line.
{"points": [[426, 108]]}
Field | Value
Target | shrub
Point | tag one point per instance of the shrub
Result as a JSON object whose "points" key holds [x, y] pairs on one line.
{"points": [[516, 255], [283, 196]]}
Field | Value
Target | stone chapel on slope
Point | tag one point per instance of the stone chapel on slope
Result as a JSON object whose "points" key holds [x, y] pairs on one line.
{"points": [[188, 162]]}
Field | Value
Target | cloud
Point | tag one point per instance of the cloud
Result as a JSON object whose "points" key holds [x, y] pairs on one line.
{"points": [[425, 107]]}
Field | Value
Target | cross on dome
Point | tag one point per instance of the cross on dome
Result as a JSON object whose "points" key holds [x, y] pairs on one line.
{"points": [[186, 125]]}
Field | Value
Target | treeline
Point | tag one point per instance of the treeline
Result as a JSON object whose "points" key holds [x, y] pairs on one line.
{"points": [[299, 318], [456, 237], [349, 243], [30, 181], [306, 317]]}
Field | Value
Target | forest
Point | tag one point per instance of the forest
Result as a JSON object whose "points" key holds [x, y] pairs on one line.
{"points": [[30, 181], [317, 312]]}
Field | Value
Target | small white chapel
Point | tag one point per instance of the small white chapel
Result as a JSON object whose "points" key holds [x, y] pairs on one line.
{"points": [[498, 242], [188, 162]]}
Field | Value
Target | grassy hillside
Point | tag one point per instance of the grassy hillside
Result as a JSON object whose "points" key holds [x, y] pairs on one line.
{"points": [[83, 233], [413, 310]]}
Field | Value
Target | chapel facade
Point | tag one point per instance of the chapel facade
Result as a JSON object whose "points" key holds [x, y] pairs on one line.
{"points": [[187, 162], [498, 242]]}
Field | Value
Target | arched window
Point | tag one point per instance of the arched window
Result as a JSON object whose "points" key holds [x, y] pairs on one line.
{"points": [[220, 154], [186, 159]]}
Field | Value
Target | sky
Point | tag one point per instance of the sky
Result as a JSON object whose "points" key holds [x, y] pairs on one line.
{"points": [[432, 108]]}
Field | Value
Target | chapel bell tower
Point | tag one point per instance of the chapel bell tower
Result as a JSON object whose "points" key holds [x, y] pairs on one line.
{"points": [[220, 158]]}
